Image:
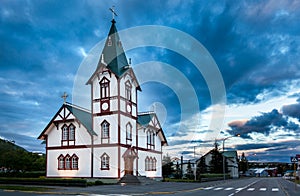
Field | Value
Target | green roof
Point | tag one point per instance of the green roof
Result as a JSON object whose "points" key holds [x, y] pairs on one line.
{"points": [[83, 116], [113, 53], [144, 119]]}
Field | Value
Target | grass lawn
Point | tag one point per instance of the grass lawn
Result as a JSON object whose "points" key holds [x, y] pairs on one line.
{"points": [[24, 188]]}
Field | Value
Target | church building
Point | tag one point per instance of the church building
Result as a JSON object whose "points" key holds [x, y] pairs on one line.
{"points": [[113, 138]]}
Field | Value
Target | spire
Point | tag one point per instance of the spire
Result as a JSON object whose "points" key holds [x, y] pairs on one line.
{"points": [[113, 55]]}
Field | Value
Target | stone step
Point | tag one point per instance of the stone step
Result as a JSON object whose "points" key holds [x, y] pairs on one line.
{"points": [[129, 179]]}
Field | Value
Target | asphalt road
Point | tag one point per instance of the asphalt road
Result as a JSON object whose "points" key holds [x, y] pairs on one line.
{"points": [[239, 187]]}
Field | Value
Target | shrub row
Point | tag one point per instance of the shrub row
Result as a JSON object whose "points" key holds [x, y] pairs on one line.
{"points": [[45, 181], [34, 174]]}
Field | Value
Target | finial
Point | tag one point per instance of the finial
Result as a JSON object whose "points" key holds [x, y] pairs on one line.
{"points": [[64, 96], [112, 9]]}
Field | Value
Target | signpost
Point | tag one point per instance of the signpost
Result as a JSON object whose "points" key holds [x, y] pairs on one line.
{"points": [[296, 161]]}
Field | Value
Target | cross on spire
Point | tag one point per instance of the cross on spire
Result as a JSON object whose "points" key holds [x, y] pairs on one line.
{"points": [[64, 96], [112, 9]]}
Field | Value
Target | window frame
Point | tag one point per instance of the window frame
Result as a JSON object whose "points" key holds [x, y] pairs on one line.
{"points": [[105, 130], [128, 133], [104, 88], [104, 164], [128, 91]]}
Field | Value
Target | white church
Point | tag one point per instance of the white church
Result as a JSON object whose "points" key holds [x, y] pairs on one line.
{"points": [[112, 139]]}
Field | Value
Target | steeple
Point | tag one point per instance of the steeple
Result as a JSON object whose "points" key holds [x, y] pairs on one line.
{"points": [[113, 55]]}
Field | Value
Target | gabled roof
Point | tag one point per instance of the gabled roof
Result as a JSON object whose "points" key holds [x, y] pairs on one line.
{"points": [[145, 118], [83, 116]]}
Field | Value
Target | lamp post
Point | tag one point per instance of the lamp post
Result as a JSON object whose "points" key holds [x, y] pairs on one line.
{"points": [[223, 139]]}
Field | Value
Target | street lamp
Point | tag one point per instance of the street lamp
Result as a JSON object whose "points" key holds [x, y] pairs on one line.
{"points": [[223, 139]]}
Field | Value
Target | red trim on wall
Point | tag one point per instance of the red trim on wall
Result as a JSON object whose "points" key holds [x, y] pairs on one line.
{"points": [[119, 131]]}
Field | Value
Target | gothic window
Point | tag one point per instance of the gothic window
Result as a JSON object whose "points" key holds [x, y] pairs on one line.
{"points": [[128, 88], [109, 42], [74, 161], [61, 162], [150, 139], [150, 164], [68, 134], [67, 162], [104, 88], [147, 164], [128, 133], [154, 164], [65, 133], [104, 129], [104, 162], [153, 140], [72, 132]]}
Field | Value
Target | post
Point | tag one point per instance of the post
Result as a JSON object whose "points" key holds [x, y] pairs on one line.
{"points": [[181, 167], [224, 178]]}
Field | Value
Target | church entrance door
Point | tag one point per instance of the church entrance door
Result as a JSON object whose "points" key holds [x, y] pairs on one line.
{"points": [[129, 156]]}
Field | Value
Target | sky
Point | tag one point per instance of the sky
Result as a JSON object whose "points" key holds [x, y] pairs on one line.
{"points": [[210, 69]]}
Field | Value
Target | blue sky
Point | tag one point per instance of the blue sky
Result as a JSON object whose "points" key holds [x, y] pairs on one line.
{"points": [[255, 45]]}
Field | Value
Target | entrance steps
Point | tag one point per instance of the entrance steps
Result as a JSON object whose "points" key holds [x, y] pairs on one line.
{"points": [[142, 180]]}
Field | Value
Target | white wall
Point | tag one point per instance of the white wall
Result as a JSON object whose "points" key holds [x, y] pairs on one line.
{"points": [[84, 169]]}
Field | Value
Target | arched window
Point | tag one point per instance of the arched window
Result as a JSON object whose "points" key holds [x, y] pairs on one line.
{"points": [[154, 164], [128, 133], [74, 161], [104, 88], [67, 162], [147, 166], [71, 132], [150, 164], [104, 162], [153, 140], [128, 88], [61, 162], [104, 129], [65, 132], [150, 139]]}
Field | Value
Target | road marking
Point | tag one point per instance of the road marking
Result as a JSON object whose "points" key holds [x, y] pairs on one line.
{"points": [[275, 189], [262, 189], [208, 188], [239, 189], [228, 189], [219, 188], [250, 189]]}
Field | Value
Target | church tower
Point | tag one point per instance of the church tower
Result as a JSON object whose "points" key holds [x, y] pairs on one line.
{"points": [[114, 110]]}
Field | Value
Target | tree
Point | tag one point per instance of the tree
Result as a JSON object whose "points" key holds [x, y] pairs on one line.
{"points": [[189, 171], [243, 163], [201, 168], [178, 171], [167, 166], [216, 163]]}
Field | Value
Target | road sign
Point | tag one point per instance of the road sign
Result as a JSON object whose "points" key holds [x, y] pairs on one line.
{"points": [[294, 159]]}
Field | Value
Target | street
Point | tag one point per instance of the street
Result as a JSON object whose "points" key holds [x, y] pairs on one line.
{"points": [[239, 187]]}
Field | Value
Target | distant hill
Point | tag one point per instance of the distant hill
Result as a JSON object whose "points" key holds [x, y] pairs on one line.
{"points": [[6, 145]]}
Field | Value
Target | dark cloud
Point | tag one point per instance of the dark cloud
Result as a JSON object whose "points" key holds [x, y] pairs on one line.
{"points": [[292, 110], [265, 123]]}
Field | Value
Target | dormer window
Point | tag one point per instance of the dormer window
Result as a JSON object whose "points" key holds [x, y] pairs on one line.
{"points": [[109, 42]]}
